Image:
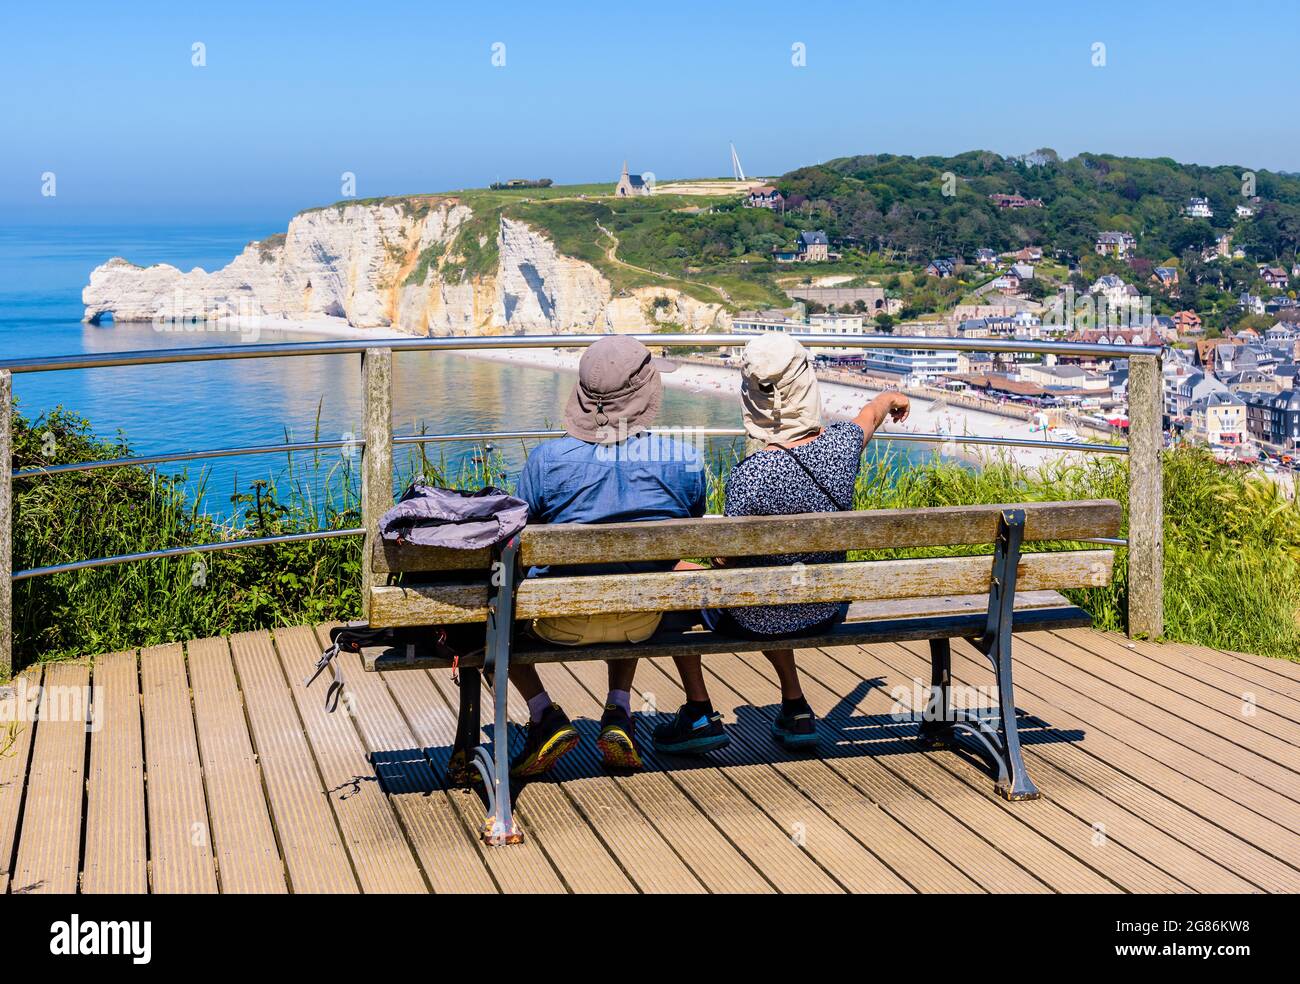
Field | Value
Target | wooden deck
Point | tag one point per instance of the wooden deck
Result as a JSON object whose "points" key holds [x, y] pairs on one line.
{"points": [[1164, 768]]}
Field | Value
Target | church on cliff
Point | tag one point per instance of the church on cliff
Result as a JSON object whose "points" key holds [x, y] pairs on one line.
{"points": [[630, 184]]}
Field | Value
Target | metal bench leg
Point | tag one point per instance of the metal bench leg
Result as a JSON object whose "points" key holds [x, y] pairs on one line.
{"points": [[460, 770], [1014, 783], [499, 826], [1019, 786], [1003, 742], [936, 725]]}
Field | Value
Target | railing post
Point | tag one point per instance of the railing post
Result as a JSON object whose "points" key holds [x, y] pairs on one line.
{"points": [[376, 455], [6, 523], [1146, 506]]}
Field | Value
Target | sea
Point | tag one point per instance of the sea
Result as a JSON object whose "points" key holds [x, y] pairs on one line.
{"points": [[200, 405]]}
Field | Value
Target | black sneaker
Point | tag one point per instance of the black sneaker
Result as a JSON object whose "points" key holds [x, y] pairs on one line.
{"points": [[545, 743], [617, 741], [796, 730], [691, 733]]}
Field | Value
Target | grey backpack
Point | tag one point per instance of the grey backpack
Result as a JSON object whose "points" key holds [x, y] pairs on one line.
{"points": [[429, 516]]}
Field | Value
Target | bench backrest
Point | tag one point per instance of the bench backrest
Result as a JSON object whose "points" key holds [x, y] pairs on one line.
{"points": [[575, 543]]}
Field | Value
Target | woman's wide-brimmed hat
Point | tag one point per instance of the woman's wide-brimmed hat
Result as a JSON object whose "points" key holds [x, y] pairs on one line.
{"points": [[619, 392], [778, 391]]}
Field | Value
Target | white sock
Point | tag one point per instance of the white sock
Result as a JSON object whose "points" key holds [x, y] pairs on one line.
{"points": [[537, 706], [620, 698]]}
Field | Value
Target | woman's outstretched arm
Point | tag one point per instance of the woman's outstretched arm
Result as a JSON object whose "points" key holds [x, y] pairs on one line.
{"points": [[893, 405]]}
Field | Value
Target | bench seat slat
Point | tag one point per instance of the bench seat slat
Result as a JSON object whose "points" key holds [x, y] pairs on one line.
{"points": [[747, 536], [869, 622], [396, 558], [433, 604]]}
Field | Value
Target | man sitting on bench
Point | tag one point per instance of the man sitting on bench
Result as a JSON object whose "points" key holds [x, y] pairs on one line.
{"points": [[793, 465], [607, 470]]}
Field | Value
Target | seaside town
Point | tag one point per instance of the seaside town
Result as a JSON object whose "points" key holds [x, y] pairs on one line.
{"points": [[1229, 386]]}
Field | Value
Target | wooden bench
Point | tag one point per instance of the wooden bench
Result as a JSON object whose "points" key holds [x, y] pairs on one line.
{"points": [[982, 598]]}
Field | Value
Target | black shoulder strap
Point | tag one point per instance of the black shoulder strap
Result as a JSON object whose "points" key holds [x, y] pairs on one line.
{"points": [[815, 480]]}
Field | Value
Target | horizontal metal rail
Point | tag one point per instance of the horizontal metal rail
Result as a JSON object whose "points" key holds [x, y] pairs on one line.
{"points": [[157, 459], [267, 541], [214, 353], [261, 541], [534, 435]]}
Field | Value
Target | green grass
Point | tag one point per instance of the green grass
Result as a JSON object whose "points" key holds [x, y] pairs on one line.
{"points": [[1232, 542]]}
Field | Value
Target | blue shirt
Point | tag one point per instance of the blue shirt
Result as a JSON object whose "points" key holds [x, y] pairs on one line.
{"points": [[646, 477]]}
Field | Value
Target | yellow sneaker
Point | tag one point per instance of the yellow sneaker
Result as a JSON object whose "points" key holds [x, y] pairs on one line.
{"points": [[547, 741], [617, 741]]}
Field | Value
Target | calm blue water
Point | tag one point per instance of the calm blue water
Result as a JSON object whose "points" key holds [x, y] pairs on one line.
{"points": [[187, 407]]}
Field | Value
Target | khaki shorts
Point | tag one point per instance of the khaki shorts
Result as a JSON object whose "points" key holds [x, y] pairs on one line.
{"points": [[584, 630]]}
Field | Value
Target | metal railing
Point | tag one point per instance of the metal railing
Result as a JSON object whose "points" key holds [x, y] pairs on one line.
{"points": [[376, 443]]}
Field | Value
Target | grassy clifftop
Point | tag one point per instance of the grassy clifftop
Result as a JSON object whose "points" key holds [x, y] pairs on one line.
{"points": [[888, 215]]}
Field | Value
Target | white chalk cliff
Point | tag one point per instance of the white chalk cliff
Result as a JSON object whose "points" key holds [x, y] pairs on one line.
{"points": [[398, 265]]}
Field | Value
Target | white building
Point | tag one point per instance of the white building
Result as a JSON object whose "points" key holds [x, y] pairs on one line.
{"points": [[817, 324], [910, 362]]}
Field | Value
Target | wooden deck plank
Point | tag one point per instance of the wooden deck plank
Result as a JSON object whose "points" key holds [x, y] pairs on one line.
{"points": [[529, 820], [755, 834], [582, 861], [749, 728], [632, 838], [751, 742], [1219, 716], [1194, 815], [692, 836], [49, 847], [752, 750], [180, 837], [433, 827], [248, 859], [920, 866], [1193, 761], [307, 832], [1288, 668], [1269, 712], [864, 866], [583, 685], [949, 779], [380, 854], [1058, 661], [1242, 784], [1180, 654], [424, 698], [846, 707], [1118, 820], [1153, 780], [117, 854], [14, 764], [901, 850]]}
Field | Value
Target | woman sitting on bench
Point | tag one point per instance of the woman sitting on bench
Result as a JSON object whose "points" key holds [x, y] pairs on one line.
{"points": [[793, 465]]}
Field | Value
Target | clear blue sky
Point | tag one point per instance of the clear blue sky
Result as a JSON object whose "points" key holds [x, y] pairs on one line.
{"points": [[405, 95]]}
